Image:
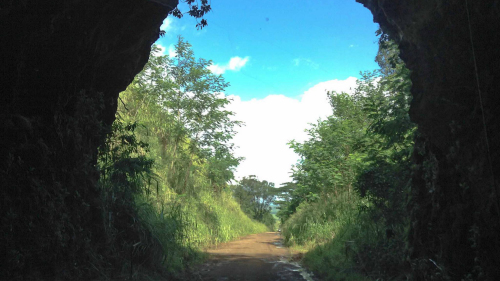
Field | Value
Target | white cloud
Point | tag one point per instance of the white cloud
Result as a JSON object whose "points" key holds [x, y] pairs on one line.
{"points": [[162, 50], [171, 51], [274, 121], [167, 24], [234, 64], [216, 69]]}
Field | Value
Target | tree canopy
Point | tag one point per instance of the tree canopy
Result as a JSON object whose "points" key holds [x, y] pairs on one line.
{"points": [[255, 198]]}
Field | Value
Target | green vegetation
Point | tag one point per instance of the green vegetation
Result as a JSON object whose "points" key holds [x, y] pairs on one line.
{"points": [[165, 166], [351, 184], [255, 198], [163, 192]]}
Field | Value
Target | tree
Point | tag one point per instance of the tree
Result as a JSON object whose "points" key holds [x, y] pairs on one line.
{"points": [[182, 103], [355, 170], [330, 158], [255, 198], [387, 98], [283, 199]]}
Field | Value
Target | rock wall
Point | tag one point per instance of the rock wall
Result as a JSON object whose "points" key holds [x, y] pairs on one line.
{"points": [[63, 64], [65, 61], [451, 47]]}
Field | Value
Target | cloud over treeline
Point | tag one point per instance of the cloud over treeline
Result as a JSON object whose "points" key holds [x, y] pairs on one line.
{"points": [[275, 120]]}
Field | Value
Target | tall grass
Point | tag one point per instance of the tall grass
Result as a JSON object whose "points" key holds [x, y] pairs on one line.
{"points": [[185, 225], [344, 241], [337, 259], [152, 224], [318, 222]]}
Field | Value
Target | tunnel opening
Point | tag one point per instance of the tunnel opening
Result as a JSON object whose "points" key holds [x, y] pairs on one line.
{"points": [[65, 63]]}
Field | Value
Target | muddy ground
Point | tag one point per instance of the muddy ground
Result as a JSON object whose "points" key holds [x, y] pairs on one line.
{"points": [[254, 257]]}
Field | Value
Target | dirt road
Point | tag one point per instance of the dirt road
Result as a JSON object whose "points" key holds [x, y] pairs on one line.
{"points": [[254, 257]]}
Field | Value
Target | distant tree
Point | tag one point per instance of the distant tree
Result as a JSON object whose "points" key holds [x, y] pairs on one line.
{"points": [[283, 200], [255, 198]]}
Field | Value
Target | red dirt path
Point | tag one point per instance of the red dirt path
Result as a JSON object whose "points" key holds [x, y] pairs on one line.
{"points": [[253, 257]]}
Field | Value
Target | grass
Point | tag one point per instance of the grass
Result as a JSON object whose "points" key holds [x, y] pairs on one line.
{"points": [[185, 225], [318, 228], [340, 258], [338, 239], [318, 222]]}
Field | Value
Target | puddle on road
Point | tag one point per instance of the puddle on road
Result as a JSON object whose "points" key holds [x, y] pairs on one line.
{"points": [[278, 245], [295, 266], [280, 270]]}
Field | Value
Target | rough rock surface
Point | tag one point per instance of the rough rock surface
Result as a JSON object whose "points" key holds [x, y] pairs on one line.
{"points": [[63, 64], [451, 47]]}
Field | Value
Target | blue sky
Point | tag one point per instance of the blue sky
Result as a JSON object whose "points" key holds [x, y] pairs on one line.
{"points": [[280, 58], [291, 45]]}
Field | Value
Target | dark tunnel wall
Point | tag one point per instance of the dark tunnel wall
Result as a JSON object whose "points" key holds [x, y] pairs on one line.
{"points": [[454, 204], [63, 64]]}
